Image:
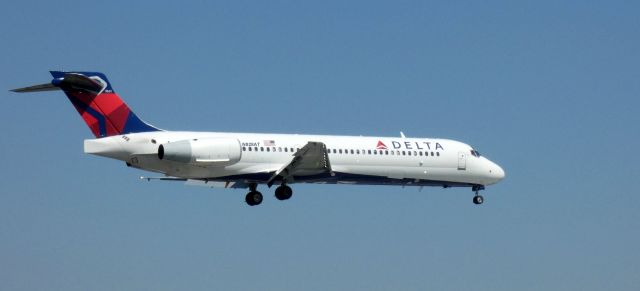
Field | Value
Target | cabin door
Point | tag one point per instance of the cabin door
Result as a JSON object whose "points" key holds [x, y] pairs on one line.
{"points": [[462, 161]]}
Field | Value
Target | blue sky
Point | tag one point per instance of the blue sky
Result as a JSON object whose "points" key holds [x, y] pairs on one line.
{"points": [[547, 89]]}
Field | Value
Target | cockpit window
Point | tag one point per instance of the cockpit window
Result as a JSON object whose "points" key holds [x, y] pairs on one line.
{"points": [[475, 153]]}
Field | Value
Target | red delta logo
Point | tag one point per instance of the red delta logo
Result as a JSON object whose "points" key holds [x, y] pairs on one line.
{"points": [[411, 145]]}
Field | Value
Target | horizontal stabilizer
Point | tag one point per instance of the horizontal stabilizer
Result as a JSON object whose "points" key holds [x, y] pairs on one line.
{"points": [[69, 81], [37, 88]]}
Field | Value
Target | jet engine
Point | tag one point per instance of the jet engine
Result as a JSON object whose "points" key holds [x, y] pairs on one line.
{"points": [[205, 151]]}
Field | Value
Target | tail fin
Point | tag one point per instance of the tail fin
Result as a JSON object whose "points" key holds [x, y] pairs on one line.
{"points": [[100, 107]]}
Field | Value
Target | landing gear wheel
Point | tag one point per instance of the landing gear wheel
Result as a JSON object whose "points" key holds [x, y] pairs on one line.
{"points": [[253, 198], [283, 192], [478, 199]]}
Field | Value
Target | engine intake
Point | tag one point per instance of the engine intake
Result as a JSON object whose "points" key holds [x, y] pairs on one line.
{"points": [[206, 151]]}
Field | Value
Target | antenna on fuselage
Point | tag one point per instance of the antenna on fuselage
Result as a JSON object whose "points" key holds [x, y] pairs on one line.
{"points": [[402, 134]]}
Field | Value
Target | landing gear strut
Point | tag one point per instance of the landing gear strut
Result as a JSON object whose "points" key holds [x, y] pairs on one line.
{"points": [[283, 192], [254, 197], [478, 199]]}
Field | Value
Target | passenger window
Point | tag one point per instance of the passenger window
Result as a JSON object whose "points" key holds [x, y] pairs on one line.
{"points": [[432, 154], [255, 149], [244, 149], [392, 153], [357, 151], [369, 151], [403, 153], [386, 153], [286, 149], [340, 150], [375, 152], [409, 153], [352, 152], [249, 148], [279, 149], [421, 154], [415, 153], [262, 149], [438, 154]]}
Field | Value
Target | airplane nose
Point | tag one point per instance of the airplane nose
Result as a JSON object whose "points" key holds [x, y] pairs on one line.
{"points": [[496, 173], [499, 173]]}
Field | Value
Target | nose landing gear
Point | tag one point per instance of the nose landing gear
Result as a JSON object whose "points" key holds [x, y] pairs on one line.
{"points": [[478, 199]]}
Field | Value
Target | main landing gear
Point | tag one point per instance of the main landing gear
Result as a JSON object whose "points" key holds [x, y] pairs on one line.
{"points": [[283, 192], [253, 198], [478, 199]]}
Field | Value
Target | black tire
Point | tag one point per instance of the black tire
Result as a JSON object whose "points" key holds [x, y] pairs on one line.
{"points": [[249, 199], [283, 192], [253, 198], [478, 199]]}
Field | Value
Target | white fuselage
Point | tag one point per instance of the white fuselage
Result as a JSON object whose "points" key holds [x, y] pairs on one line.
{"points": [[245, 160], [354, 159]]}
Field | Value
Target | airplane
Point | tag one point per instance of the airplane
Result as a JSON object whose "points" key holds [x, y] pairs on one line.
{"points": [[246, 160]]}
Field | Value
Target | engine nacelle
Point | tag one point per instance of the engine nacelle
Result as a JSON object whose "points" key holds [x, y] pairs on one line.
{"points": [[205, 151]]}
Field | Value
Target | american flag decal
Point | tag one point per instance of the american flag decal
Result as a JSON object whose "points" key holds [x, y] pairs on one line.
{"points": [[269, 143]]}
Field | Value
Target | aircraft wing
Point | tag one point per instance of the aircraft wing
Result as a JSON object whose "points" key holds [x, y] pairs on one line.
{"points": [[311, 159], [214, 184], [202, 182]]}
